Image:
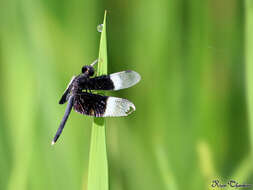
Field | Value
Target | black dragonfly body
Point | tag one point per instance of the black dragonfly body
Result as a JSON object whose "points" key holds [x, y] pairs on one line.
{"points": [[79, 95]]}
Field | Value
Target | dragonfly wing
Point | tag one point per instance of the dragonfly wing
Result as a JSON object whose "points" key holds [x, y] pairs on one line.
{"points": [[102, 106], [66, 93], [115, 81]]}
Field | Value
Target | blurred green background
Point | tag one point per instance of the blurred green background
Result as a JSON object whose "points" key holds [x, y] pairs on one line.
{"points": [[191, 125]]}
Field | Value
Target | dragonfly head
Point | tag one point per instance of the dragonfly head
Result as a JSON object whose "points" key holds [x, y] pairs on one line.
{"points": [[88, 70]]}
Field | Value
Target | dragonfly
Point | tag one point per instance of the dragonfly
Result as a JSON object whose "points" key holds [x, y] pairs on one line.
{"points": [[80, 95]]}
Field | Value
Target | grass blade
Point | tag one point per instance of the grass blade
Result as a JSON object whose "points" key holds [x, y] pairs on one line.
{"points": [[98, 166], [249, 65]]}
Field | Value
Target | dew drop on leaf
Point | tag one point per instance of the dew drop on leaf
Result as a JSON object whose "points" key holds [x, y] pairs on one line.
{"points": [[100, 27]]}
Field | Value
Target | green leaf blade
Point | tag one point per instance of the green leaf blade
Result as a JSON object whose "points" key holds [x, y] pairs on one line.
{"points": [[98, 165]]}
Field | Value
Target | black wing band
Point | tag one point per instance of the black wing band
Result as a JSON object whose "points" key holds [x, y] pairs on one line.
{"points": [[97, 83], [64, 97], [90, 104], [66, 94]]}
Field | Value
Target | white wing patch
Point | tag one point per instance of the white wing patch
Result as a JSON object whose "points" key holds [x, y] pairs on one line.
{"points": [[118, 107], [124, 79]]}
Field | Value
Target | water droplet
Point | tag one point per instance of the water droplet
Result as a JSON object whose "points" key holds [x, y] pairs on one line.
{"points": [[100, 27]]}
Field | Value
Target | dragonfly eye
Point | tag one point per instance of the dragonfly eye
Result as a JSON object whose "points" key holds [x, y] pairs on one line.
{"points": [[88, 70], [84, 69], [91, 71]]}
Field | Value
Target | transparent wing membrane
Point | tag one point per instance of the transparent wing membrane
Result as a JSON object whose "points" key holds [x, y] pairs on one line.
{"points": [[124, 79], [117, 107]]}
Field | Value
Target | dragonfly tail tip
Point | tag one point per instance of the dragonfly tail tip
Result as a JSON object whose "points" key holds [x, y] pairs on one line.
{"points": [[52, 143]]}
